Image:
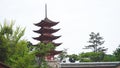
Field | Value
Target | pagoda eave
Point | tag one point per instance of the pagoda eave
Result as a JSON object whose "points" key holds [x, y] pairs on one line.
{"points": [[43, 30], [48, 36], [56, 44], [53, 52], [46, 22], [50, 53], [42, 38]]}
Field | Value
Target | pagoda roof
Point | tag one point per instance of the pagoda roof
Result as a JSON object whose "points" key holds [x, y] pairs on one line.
{"points": [[46, 22], [46, 37], [53, 52], [50, 53], [56, 44], [46, 30]]}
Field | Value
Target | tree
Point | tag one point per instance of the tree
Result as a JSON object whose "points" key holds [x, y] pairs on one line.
{"points": [[62, 56], [95, 41], [41, 51], [22, 57], [73, 58], [14, 50], [117, 53], [97, 53], [109, 58], [91, 57], [5, 31]]}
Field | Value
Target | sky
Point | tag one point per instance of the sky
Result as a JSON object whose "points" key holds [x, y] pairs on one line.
{"points": [[77, 19]]}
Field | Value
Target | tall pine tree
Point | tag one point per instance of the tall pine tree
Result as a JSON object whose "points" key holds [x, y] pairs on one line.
{"points": [[95, 41]]}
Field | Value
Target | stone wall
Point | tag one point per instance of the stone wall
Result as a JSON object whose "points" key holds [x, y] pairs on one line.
{"points": [[53, 64], [118, 66]]}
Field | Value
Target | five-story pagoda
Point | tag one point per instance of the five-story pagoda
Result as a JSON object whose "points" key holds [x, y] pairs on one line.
{"points": [[46, 34]]}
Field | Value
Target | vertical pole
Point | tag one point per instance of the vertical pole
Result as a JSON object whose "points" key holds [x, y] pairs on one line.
{"points": [[45, 10]]}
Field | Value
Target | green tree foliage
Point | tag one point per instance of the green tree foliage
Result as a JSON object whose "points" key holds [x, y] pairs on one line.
{"points": [[98, 52], [5, 33], [19, 53], [91, 56], [41, 51], [73, 58], [13, 50], [62, 56], [109, 58], [95, 41], [22, 57], [117, 53]]}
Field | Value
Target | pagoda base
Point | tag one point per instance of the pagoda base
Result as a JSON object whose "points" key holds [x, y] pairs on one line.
{"points": [[118, 67], [53, 64]]}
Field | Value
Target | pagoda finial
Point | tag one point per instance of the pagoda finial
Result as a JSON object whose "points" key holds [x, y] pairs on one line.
{"points": [[45, 10]]}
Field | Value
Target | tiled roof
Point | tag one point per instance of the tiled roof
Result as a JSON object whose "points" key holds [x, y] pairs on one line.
{"points": [[90, 65]]}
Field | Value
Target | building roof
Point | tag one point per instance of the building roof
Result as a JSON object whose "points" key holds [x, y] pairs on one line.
{"points": [[56, 44], [46, 22], [90, 65], [54, 52], [46, 37], [46, 30]]}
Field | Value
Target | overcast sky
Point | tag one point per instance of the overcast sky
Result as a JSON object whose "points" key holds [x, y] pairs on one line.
{"points": [[78, 18]]}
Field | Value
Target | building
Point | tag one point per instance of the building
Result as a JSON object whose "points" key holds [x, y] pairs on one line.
{"points": [[46, 35], [91, 65]]}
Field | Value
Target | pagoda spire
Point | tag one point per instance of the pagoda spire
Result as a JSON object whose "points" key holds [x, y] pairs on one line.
{"points": [[45, 10]]}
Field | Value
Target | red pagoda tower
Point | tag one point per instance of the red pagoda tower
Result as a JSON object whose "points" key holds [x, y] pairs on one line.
{"points": [[46, 34]]}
